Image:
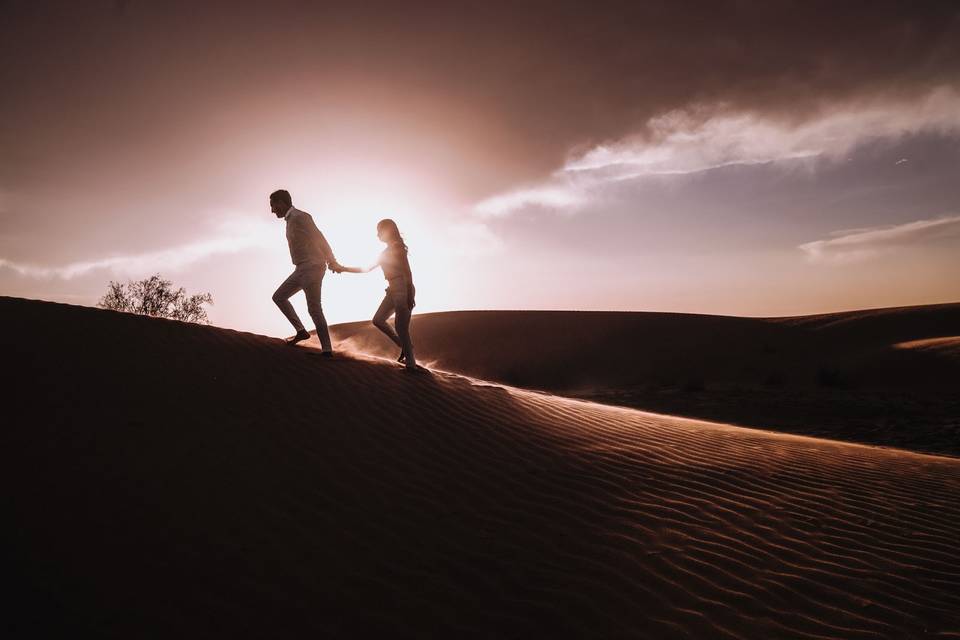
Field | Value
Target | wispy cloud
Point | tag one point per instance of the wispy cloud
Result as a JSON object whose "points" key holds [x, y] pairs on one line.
{"points": [[558, 196], [855, 245], [234, 237], [703, 138]]}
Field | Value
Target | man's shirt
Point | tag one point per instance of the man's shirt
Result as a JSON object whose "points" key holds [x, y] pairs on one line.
{"points": [[305, 240]]}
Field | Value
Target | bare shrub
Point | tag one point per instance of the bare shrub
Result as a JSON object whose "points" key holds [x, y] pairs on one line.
{"points": [[155, 296]]}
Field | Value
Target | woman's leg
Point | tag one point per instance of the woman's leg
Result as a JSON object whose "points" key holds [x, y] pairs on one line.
{"points": [[402, 320], [380, 320]]}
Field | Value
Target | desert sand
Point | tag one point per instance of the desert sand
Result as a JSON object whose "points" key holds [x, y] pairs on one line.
{"points": [[164, 479], [883, 376]]}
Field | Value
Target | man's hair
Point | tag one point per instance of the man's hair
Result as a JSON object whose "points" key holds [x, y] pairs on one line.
{"points": [[283, 196]]}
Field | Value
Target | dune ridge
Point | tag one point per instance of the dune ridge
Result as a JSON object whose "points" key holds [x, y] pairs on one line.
{"points": [[880, 376], [947, 345], [176, 479]]}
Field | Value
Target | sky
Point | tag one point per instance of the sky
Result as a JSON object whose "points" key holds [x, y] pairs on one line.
{"points": [[726, 157]]}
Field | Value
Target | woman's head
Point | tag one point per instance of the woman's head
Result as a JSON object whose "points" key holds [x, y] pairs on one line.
{"points": [[388, 232]]}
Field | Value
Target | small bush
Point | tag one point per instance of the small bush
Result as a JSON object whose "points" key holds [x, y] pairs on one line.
{"points": [[156, 297]]}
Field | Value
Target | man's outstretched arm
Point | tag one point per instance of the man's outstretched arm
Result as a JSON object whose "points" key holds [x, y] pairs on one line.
{"points": [[326, 250], [321, 242]]}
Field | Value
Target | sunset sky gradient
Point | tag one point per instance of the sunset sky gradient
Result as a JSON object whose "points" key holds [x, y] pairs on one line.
{"points": [[747, 158]]}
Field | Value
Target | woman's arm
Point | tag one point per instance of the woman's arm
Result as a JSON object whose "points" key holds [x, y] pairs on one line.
{"points": [[411, 290], [342, 269]]}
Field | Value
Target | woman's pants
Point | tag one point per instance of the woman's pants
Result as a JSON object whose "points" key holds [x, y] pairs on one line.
{"points": [[395, 302]]}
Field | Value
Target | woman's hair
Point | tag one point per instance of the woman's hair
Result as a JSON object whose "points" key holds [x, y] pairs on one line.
{"points": [[392, 232]]}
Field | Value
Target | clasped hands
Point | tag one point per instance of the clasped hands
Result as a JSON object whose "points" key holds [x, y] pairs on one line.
{"points": [[336, 267]]}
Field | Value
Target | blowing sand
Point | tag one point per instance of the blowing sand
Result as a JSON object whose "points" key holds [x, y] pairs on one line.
{"points": [[164, 479]]}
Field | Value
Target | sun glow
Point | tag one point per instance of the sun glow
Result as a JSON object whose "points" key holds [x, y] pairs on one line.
{"points": [[348, 215]]}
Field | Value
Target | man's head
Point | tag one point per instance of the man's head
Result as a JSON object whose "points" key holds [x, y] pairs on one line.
{"points": [[280, 202]]}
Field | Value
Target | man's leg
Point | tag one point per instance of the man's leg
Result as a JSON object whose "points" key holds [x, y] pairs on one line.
{"points": [[380, 319], [312, 290], [281, 298]]}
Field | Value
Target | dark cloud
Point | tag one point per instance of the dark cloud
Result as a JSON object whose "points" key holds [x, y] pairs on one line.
{"points": [[515, 86]]}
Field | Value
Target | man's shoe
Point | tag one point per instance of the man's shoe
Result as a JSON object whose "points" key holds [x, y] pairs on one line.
{"points": [[300, 337]]}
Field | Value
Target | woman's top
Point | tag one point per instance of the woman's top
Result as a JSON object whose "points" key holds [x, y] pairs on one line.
{"points": [[395, 266]]}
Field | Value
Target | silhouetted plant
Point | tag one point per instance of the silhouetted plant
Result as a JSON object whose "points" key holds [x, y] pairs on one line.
{"points": [[155, 296]]}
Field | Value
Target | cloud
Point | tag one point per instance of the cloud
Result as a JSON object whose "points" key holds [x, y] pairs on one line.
{"points": [[237, 235], [855, 245], [701, 138], [559, 196], [694, 140]]}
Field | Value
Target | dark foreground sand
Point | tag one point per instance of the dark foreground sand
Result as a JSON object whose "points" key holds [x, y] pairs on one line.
{"points": [[884, 376], [172, 480]]}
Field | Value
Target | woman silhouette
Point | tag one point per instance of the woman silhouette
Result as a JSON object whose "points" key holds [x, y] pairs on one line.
{"points": [[400, 290]]}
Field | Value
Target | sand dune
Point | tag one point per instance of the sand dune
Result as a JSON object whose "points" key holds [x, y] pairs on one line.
{"points": [[564, 350], [948, 346], [166, 479], [842, 375]]}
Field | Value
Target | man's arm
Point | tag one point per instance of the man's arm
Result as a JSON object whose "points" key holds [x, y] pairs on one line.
{"points": [[325, 249], [322, 244]]}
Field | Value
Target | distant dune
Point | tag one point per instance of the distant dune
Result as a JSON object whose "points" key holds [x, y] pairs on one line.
{"points": [[948, 346], [173, 480], [883, 376]]}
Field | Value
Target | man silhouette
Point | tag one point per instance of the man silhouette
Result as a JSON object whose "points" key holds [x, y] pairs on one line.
{"points": [[310, 254]]}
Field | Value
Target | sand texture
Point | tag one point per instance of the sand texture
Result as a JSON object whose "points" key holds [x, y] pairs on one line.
{"points": [[884, 376], [173, 480]]}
